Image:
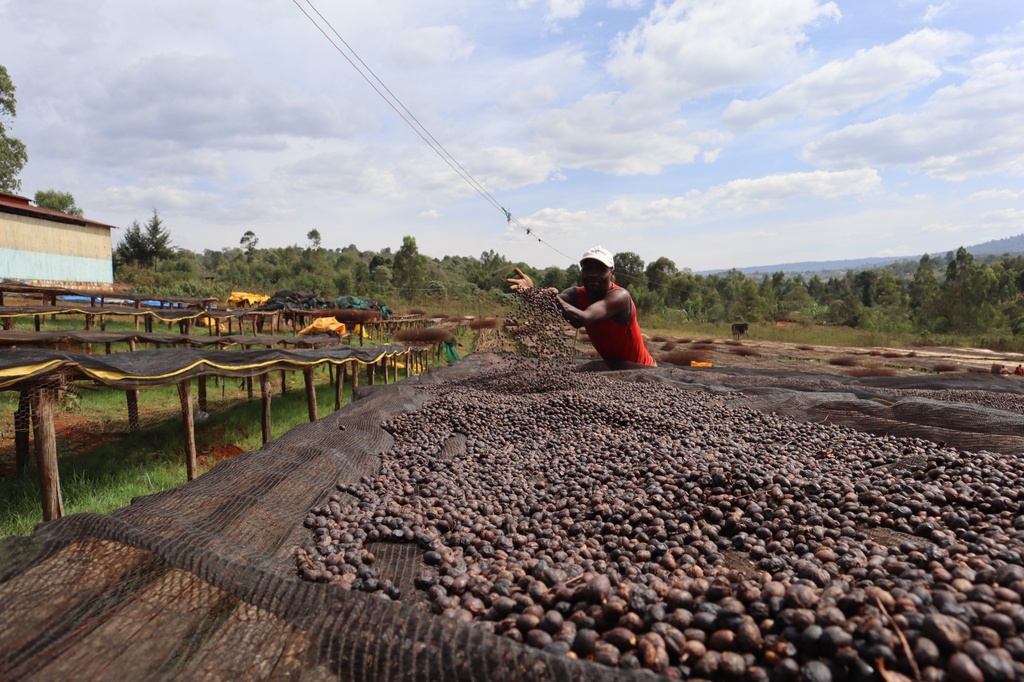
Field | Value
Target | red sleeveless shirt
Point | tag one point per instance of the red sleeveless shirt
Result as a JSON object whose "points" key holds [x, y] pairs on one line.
{"points": [[615, 341]]}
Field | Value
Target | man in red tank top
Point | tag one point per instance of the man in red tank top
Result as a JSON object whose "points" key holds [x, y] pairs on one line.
{"points": [[605, 309]]}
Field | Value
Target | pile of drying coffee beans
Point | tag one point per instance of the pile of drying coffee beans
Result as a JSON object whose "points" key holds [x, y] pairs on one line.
{"points": [[645, 525]]}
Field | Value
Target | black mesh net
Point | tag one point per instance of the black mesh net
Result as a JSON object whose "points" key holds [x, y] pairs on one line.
{"points": [[508, 518]]}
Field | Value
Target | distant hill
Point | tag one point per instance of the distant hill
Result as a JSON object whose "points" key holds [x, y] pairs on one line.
{"points": [[996, 247]]}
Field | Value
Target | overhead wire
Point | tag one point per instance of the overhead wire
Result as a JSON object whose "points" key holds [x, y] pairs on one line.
{"points": [[351, 56], [385, 93]]}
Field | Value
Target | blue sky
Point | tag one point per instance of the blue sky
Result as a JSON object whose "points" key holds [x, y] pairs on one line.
{"points": [[718, 133]]}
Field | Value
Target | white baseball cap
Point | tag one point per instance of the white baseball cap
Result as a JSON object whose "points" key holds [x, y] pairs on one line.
{"points": [[601, 255]]}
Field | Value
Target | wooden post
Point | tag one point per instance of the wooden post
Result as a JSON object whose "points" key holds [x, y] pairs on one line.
{"points": [[22, 427], [132, 396], [355, 378], [307, 375], [265, 394], [202, 394], [46, 453], [370, 372], [185, 395], [384, 366], [284, 382], [339, 386], [248, 388]]}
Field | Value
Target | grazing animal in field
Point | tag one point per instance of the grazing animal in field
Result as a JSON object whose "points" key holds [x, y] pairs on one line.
{"points": [[739, 329]]}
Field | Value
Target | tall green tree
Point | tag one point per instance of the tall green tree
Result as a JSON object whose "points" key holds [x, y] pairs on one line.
{"points": [[145, 246], [314, 239], [58, 201], [132, 248], [660, 272], [158, 238], [629, 270], [13, 156], [965, 295], [249, 242], [409, 268], [923, 294]]}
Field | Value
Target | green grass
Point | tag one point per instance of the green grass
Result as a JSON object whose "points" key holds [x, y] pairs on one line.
{"points": [[103, 466]]}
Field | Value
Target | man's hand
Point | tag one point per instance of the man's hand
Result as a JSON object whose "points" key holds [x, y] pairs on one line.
{"points": [[521, 283]]}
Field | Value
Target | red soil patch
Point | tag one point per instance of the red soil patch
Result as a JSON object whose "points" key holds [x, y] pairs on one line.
{"points": [[219, 454], [75, 434]]}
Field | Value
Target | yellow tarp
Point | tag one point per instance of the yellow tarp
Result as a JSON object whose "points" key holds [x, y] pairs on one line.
{"points": [[322, 325], [242, 299], [210, 322], [694, 363]]}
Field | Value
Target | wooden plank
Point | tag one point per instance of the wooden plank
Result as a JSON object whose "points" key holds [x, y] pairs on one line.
{"points": [[185, 395], [265, 393], [132, 396], [46, 453], [307, 376]]}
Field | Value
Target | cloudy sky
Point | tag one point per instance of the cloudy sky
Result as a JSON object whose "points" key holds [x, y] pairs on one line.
{"points": [[718, 133]]}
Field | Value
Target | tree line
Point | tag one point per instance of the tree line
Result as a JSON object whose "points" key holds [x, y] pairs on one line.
{"points": [[954, 294]]}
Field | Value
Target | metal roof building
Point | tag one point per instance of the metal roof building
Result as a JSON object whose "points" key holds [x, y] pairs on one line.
{"points": [[50, 248]]}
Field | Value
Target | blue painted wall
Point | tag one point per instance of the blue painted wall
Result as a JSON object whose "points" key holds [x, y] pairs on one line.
{"points": [[53, 267]]}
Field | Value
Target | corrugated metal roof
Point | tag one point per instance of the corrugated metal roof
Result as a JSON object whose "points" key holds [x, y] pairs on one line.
{"points": [[19, 205]]}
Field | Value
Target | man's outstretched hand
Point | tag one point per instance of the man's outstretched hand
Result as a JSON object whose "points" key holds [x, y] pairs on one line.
{"points": [[522, 282]]}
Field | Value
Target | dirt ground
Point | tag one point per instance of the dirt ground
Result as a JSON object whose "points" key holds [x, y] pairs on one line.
{"points": [[835, 360]]}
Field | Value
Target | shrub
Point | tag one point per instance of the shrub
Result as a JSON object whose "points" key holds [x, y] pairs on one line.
{"points": [[844, 361]]}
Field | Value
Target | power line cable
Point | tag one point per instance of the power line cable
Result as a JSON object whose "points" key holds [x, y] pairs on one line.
{"points": [[407, 116]]}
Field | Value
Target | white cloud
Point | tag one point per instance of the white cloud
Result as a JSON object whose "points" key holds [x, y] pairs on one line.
{"points": [[598, 134], [947, 228], [689, 48], [965, 130], [1008, 215], [712, 155], [870, 75], [997, 194], [935, 11], [427, 47], [626, 4], [565, 9], [750, 194]]}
